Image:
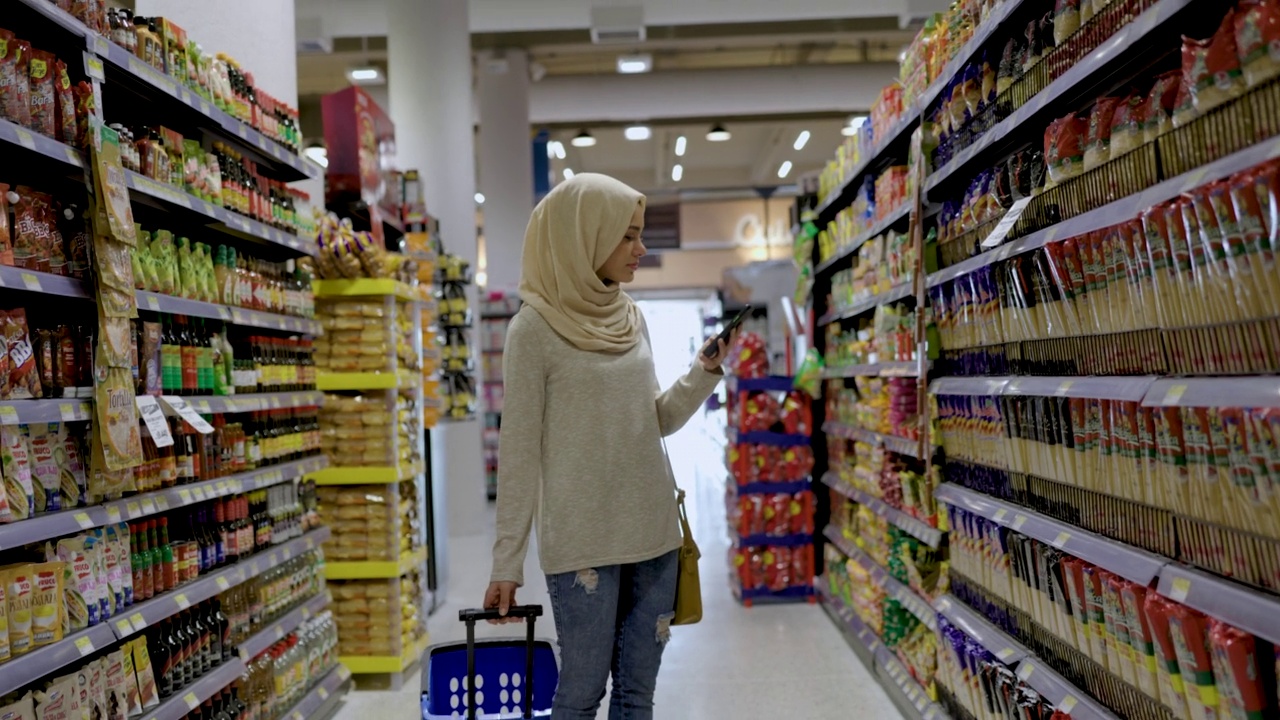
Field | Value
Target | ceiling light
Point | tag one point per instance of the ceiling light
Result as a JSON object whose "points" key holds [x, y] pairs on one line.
{"points": [[369, 75], [568, 173], [785, 169], [555, 148], [855, 122], [718, 134], [479, 198], [318, 155], [583, 139], [633, 64], [801, 140], [681, 143], [638, 132], [677, 172]]}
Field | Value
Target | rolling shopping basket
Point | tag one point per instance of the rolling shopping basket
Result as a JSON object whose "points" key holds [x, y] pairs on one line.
{"points": [[491, 679]]}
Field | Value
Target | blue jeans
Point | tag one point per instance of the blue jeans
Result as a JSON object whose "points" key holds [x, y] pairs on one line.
{"points": [[615, 618]]}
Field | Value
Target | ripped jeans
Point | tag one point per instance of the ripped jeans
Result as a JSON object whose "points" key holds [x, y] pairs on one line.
{"points": [[615, 618]]}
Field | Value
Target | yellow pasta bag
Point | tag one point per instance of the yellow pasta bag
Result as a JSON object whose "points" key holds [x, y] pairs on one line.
{"points": [[46, 603]]}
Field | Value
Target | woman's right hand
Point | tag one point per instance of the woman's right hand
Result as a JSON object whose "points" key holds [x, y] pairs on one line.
{"points": [[501, 596]]}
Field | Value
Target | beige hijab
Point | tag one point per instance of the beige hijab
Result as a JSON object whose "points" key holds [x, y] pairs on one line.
{"points": [[572, 232]]}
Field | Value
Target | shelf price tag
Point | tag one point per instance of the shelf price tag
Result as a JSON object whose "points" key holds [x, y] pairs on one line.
{"points": [[223, 583], [1005, 653], [8, 415], [139, 622], [113, 514], [191, 700], [1068, 704], [123, 626], [83, 520], [185, 496], [1061, 539], [198, 492], [133, 509], [84, 645], [1000, 515], [93, 67], [183, 602], [1011, 218], [25, 138], [1018, 521], [1025, 670], [323, 693], [1063, 387], [279, 632], [153, 416], [67, 411], [184, 410], [153, 303], [162, 503], [148, 506], [1181, 588], [1173, 394]]}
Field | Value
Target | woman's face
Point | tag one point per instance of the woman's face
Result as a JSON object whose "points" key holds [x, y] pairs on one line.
{"points": [[622, 264]]}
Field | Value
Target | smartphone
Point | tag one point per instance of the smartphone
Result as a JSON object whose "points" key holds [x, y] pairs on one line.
{"points": [[714, 348]]}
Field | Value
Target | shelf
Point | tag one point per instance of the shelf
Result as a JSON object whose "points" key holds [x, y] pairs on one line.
{"points": [[385, 664], [901, 291], [158, 302], [177, 707], [767, 438], [789, 541], [850, 625], [890, 668], [24, 670], [1119, 211], [969, 51], [372, 475], [896, 589], [328, 381], [75, 520], [918, 529], [1079, 76], [15, 278], [1251, 392], [897, 368], [764, 384], [15, 134], [363, 287], [1249, 610], [893, 218], [981, 386], [1126, 561], [212, 404], [892, 443], [1005, 648], [45, 410], [290, 621], [790, 487], [1129, 389], [223, 219], [161, 607], [831, 206], [313, 704], [373, 569]]}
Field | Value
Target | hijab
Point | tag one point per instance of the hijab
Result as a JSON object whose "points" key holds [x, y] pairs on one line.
{"points": [[573, 231]]}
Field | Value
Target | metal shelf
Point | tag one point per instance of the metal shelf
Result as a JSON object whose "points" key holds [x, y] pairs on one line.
{"points": [[177, 707], [292, 620], [158, 302], [766, 438], [982, 386], [1253, 392], [896, 589], [47, 410], [1130, 389], [321, 695], [897, 368], [15, 134], [890, 668], [844, 196], [969, 51], [899, 292], [15, 278], [920, 530], [212, 404], [23, 670], [1247, 609], [1005, 648], [893, 218], [892, 443]]}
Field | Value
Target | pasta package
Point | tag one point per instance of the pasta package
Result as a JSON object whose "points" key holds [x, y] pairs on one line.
{"points": [[18, 594], [1257, 36], [46, 603], [1212, 67]]}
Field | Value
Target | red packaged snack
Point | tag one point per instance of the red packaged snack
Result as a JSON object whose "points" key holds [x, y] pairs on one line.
{"points": [[777, 515], [1257, 36], [802, 566], [1157, 113], [802, 505], [31, 243], [25, 381], [1064, 143], [85, 106], [6, 234], [15, 85], [1212, 67], [1097, 148], [777, 568], [1235, 666], [44, 100], [66, 116]]}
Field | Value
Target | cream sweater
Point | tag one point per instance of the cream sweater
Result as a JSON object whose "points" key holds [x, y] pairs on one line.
{"points": [[581, 452]]}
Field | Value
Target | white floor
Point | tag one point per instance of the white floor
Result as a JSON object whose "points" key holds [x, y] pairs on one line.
{"points": [[781, 661]]}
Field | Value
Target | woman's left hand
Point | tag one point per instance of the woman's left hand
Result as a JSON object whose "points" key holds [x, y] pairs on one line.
{"points": [[714, 363]]}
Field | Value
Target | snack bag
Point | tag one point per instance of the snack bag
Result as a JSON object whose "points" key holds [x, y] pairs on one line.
{"points": [[15, 83], [24, 380], [66, 104], [44, 98], [15, 461]]}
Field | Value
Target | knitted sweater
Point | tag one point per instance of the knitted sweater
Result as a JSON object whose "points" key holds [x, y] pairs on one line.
{"points": [[580, 453]]}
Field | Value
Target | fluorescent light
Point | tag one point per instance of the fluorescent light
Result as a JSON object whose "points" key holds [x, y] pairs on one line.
{"points": [[633, 64], [855, 122], [318, 155], [801, 140], [583, 139], [681, 143], [479, 198], [568, 173], [555, 148], [638, 132], [785, 169], [365, 76], [718, 134], [677, 172], [482, 278]]}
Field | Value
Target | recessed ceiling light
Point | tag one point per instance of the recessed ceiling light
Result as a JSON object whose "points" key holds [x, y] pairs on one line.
{"points": [[366, 76], [681, 144], [479, 198], [638, 132], [583, 139], [318, 154], [801, 140], [633, 64], [568, 173], [718, 134], [785, 169], [555, 148], [855, 122], [677, 172]]}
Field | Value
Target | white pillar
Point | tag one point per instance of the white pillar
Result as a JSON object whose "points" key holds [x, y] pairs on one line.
{"points": [[506, 162], [429, 83]]}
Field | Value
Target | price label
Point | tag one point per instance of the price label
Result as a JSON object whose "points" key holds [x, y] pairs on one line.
{"points": [[133, 509], [191, 700], [8, 415], [68, 413], [222, 582], [1181, 588], [237, 317], [84, 645], [162, 503], [1061, 539], [185, 496], [221, 487], [184, 410], [279, 632], [73, 156], [31, 282], [93, 68], [153, 417], [1063, 387], [297, 715], [123, 626], [324, 694], [275, 403], [113, 514], [288, 554], [1000, 515], [202, 407], [183, 602], [1068, 704], [1173, 394], [1019, 520], [1011, 218], [148, 506], [139, 623], [204, 107], [25, 138], [253, 568], [83, 520], [153, 303], [1005, 653], [311, 544], [198, 492], [1025, 670]]}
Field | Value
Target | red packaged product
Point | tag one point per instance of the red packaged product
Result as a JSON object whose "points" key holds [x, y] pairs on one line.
{"points": [[85, 106], [777, 568], [802, 566], [1212, 67], [802, 505], [777, 515], [44, 99], [15, 85], [1257, 34], [1064, 144], [66, 115], [24, 379]]}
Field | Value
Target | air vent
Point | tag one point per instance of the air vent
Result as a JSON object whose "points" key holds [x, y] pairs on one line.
{"points": [[311, 38], [617, 25]]}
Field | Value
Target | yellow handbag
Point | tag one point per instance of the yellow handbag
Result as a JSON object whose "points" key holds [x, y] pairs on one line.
{"points": [[689, 584]]}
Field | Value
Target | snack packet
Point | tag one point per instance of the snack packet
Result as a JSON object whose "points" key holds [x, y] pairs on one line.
{"points": [[44, 99], [15, 83]]}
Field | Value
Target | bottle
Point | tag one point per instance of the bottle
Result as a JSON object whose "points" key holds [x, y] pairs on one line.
{"points": [[204, 359], [187, 347], [135, 562], [158, 650], [177, 659], [148, 587], [167, 565], [170, 358]]}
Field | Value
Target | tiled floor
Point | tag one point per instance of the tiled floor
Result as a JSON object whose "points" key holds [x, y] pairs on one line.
{"points": [[765, 662]]}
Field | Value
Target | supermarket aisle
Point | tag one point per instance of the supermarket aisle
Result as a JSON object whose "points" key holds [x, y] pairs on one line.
{"points": [[764, 662]]}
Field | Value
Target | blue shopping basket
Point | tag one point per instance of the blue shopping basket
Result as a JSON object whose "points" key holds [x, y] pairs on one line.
{"points": [[493, 679]]}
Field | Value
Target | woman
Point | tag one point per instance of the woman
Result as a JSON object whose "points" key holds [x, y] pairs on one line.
{"points": [[581, 449]]}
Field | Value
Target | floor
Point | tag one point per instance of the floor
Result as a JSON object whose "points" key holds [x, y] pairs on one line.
{"points": [[762, 662]]}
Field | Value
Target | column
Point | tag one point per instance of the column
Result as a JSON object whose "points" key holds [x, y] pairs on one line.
{"points": [[506, 162], [429, 83]]}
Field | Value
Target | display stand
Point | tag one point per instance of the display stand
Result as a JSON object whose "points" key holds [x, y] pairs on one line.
{"points": [[496, 312]]}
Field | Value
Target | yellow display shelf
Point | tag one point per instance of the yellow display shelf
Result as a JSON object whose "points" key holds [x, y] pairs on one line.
{"points": [[377, 664], [366, 380], [375, 569], [371, 475], [363, 287]]}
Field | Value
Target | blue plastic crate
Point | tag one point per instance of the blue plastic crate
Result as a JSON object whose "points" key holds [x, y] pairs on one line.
{"points": [[500, 681]]}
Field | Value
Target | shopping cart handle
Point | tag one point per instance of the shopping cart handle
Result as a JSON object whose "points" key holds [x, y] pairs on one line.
{"points": [[516, 611]]}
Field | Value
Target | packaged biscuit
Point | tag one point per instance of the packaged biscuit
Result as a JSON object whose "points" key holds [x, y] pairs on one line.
{"points": [[116, 690], [46, 603], [59, 701]]}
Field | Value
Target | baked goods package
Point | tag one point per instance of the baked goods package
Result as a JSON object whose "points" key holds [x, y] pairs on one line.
{"points": [[23, 708]]}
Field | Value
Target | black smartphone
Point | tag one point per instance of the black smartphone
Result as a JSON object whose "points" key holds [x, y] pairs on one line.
{"points": [[714, 348]]}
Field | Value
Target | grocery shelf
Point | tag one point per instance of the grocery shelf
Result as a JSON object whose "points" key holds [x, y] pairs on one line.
{"points": [[149, 612], [15, 278], [1118, 211], [177, 707], [897, 589], [892, 443], [1124, 388], [790, 541], [1126, 561], [863, 639], [363, 287], [371, 475], [318, 698], [894, 217], [1225, 600], [767, 487], [969, 51], [328, 381], [19, 672], [159, 302], [766, 438], [1096, 64], [888, 667], [290, 621], [772, 383], [830, 206], [223, 219], [982, 386], [46, 410], [918, 529], [896, 368], [1253, 392], [15, 134], [385, 664], [901, 291], [1005, 648], [373, 569], [75, 520], [212, 404]]}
